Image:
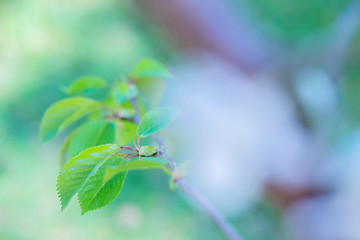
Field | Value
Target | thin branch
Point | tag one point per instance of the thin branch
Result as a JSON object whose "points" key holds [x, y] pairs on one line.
{"points": [[161, 153], [131, 156], [115, 115], [225, 226], [160, 142], [129, 148], [171, 162], [137, 111]]}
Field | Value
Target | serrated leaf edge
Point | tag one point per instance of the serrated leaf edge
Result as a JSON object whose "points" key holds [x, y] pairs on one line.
{"points": [[81, 207], [69, 162]]}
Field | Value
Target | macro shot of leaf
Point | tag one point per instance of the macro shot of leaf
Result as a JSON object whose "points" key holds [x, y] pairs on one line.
{"points": [[83, 174], [155, 120], [63, 113]]}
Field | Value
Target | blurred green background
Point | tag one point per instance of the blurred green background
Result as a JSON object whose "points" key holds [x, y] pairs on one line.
{"points": [[45, 45]]}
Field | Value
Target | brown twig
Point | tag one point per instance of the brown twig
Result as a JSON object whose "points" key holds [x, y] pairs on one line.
{"points": [[129, 148]]}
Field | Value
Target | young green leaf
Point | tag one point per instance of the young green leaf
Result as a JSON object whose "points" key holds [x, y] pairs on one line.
{"points": [[155, 120], [151, 91], [76, 173], [84, 84], [148, 68], [63, 113], [97, 193], [146, 151], [92, 133], [137, 164], [65, 147], [125, 132]]}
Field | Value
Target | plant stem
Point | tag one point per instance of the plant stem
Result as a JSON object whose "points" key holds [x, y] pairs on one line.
{"points": [[160, 142], [171, 162], [224, 225], [137, 111], [128, 148]]}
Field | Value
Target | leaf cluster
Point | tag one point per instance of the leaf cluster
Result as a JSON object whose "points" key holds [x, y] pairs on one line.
{"points": [[100, 148]]}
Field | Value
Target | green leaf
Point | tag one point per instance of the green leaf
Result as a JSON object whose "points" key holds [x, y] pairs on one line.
{"points": [[125, 132], [85, 84], [138, 164], [151, 91], [146, 151], [63, 113], [155, 120], [80, 175], [96, 192], [92, 133], [65, 147], [148, 68]]}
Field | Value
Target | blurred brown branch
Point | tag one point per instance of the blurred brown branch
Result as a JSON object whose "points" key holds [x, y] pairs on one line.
{"points": [[211, 26]]}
